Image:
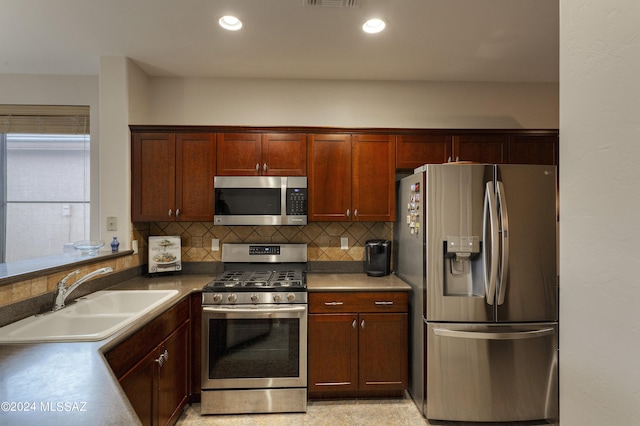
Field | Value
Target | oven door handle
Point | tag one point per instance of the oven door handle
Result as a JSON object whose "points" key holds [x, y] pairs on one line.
{"points": [[265, 312]]}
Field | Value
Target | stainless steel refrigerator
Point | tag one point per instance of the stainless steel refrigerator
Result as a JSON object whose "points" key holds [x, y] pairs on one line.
{"points": [[478, 245]]}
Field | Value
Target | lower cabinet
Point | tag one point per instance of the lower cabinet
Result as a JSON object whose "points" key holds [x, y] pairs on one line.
{"points": [[152, 367], [358, 344]]}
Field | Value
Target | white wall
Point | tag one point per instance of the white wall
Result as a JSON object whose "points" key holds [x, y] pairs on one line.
{"points": [[115, 151], [599, 212], [352, 103]]}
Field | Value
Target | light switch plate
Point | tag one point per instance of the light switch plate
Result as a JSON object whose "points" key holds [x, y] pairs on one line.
{"points": [[344, 243], [215, 244], [112, 223]]}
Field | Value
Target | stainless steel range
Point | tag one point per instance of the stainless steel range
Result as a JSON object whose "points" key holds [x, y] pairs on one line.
{"points": [[254, 331]]}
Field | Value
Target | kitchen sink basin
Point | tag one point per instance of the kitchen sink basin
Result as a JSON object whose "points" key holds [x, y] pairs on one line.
{"points": [[91, 318], [119, 301]]}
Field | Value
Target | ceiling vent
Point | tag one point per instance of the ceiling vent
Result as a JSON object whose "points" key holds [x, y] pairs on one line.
{"points": [[331, 3]]}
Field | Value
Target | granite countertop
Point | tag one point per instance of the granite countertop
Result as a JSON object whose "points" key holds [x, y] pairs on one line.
{"points": [[71, 383]]}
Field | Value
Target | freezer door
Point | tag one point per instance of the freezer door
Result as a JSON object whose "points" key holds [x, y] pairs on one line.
{"points": [[454, 207], [492, 373], [529, 285]]}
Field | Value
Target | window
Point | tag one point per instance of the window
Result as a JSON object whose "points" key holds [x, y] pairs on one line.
{"points": [[44, 199]]}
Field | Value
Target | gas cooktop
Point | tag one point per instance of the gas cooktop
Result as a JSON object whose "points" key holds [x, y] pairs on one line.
{"points": [[287, 280]]}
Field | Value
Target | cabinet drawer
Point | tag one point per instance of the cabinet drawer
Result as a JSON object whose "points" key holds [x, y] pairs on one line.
{"points": [[358, 302]]}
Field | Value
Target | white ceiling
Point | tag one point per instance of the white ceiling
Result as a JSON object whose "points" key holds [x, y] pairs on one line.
{"points": [[439, 40]]}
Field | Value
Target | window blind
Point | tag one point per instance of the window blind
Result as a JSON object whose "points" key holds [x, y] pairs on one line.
{"points": [[50, 119]]}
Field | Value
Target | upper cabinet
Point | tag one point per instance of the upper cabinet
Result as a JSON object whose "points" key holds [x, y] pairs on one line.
{"points": [[351, 177], [414, 150], [172, 176], [481, 148], [533, 149], [504, 146], [261, 154]]}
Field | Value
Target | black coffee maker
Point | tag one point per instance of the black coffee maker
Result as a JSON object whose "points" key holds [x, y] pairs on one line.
{"points": [[377, 258]]}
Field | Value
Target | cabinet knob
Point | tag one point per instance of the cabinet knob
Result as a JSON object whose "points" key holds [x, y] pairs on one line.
{"points": [[348, 213], [257, 168], [170, 213], [264, 167], [355, 213], [362, 325], [353, 324], [177, 212]]}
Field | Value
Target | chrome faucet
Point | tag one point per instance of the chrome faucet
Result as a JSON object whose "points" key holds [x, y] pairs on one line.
{"points": [[63, 292]]}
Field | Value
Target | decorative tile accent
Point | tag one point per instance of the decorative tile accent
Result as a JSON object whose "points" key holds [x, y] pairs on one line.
{"points": [[323, 238]]}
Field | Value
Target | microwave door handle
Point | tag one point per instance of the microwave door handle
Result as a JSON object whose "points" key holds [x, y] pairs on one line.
{"points": [[490, 235], [504, 242]]}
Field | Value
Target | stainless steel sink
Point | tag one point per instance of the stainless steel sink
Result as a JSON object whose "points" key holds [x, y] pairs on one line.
{"points": [[91, 318]]}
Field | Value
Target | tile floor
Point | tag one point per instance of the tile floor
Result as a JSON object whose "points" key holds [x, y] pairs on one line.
{"points": [[387, 412]]}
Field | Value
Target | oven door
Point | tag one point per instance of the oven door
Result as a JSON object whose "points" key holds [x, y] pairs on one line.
{"points": [[254, 346]]}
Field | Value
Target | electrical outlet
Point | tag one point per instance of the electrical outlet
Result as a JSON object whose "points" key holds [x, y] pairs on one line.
{"points": [[196, 242], [112, 223], [215, 244], [344, 243]]}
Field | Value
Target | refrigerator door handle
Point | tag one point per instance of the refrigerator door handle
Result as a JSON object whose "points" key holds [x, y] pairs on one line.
{"points": [[480, 335], [490, 234], [504, 242]]}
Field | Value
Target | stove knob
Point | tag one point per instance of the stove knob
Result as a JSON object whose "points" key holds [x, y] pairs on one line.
{"points": [[291, 297], [254, 298], [217, 298], [277, 298], [232, 298]]}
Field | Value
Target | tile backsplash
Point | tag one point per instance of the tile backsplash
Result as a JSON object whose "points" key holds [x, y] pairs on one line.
{"points": [[322, 238]]}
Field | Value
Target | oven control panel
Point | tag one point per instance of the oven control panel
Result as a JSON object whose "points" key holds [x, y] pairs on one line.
{"points": [[261, 250], [257, 298]]}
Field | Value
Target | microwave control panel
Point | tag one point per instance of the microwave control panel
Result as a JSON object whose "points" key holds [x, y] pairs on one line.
{"points": [[296, 201]]}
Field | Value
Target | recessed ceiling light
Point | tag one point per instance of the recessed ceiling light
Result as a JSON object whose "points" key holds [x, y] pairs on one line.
{"points": [[373, 26], [230, 23]]}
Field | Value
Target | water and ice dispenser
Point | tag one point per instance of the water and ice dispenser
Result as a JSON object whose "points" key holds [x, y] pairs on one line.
{"points": [[462, 270]]}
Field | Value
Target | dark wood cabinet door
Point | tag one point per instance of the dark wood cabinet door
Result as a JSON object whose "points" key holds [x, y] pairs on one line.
{"points": [[333, 352], [383, 344], [415, 150], [480, 148], [373, 178], [533, 149], [284, 154], [139, 385], [238, 154], [195, 170], [173, 375], [153, 177], [329, 178]]}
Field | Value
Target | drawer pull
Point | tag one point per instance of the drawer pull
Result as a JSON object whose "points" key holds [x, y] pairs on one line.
{"points": [[333, 303], [383, 303]]}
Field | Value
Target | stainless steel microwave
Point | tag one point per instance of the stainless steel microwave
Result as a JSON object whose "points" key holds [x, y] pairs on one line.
{"points": [[260, 200]]}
